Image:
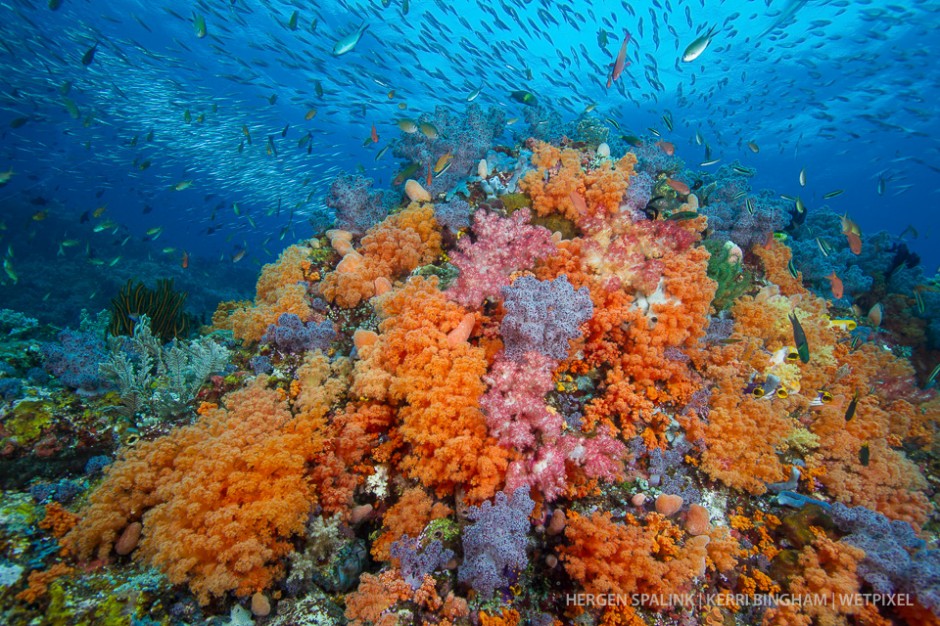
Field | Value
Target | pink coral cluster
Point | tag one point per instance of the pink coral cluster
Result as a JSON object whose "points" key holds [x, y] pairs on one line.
{"points": [[501, 246], [518, 416]]}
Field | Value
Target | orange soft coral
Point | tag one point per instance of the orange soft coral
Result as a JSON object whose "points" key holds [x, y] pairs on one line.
{"points": [[376, 595], [408, 516], [39, 581], [560, 185], [437, 387], [829, 571], [219, 500], [399, 244], [281, 288], [58, 520], [648, 558], [651, 297], [775, 257]]}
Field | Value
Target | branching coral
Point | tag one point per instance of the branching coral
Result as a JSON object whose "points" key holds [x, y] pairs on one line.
{"points": [[399, 244]]}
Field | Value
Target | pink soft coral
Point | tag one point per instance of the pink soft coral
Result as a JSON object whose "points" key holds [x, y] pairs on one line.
{"points": [[501, 246], [518, 416]]}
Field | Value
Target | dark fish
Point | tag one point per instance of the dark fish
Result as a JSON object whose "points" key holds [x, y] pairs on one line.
{"points": [[799, 338], [524, 97], [850, 412], [89, 55], [19, 122], [864, 455]]}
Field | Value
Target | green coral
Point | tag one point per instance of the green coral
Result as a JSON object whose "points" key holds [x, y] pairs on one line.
{"points": [[28, 420], [733, 279], [446, 273], [512, 202], [591, 130], [557, 224], [444, 529]]}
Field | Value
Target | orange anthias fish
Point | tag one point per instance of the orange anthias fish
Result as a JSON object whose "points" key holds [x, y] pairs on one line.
{"points": [[375, 135], [855, 243], [852, 233], [666, 147], [184, 262], [679, 186], [621, 61], [429, 175], [836, 283]]}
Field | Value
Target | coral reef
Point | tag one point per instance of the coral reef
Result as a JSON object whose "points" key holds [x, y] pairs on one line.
{"points": [[617, 376]]}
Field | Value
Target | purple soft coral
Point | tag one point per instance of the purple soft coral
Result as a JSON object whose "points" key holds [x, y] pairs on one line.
{"points": [[495, 545], [356, 208], [543, 316], [292, 336]]}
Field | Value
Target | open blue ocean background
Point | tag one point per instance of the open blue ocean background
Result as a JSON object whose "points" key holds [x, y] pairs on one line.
{"points": [[223, 147]]}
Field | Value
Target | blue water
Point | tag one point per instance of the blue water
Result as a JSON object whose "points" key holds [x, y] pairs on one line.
{"points": [[844, 89]]}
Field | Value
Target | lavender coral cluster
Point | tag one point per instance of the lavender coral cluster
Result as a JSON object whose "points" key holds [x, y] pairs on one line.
{"points": [[494, 546], [466, 138], [543, 316], [725, 198], [356, 207], [74, 360], [292, 336], [415, 562], [896, 559]]}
